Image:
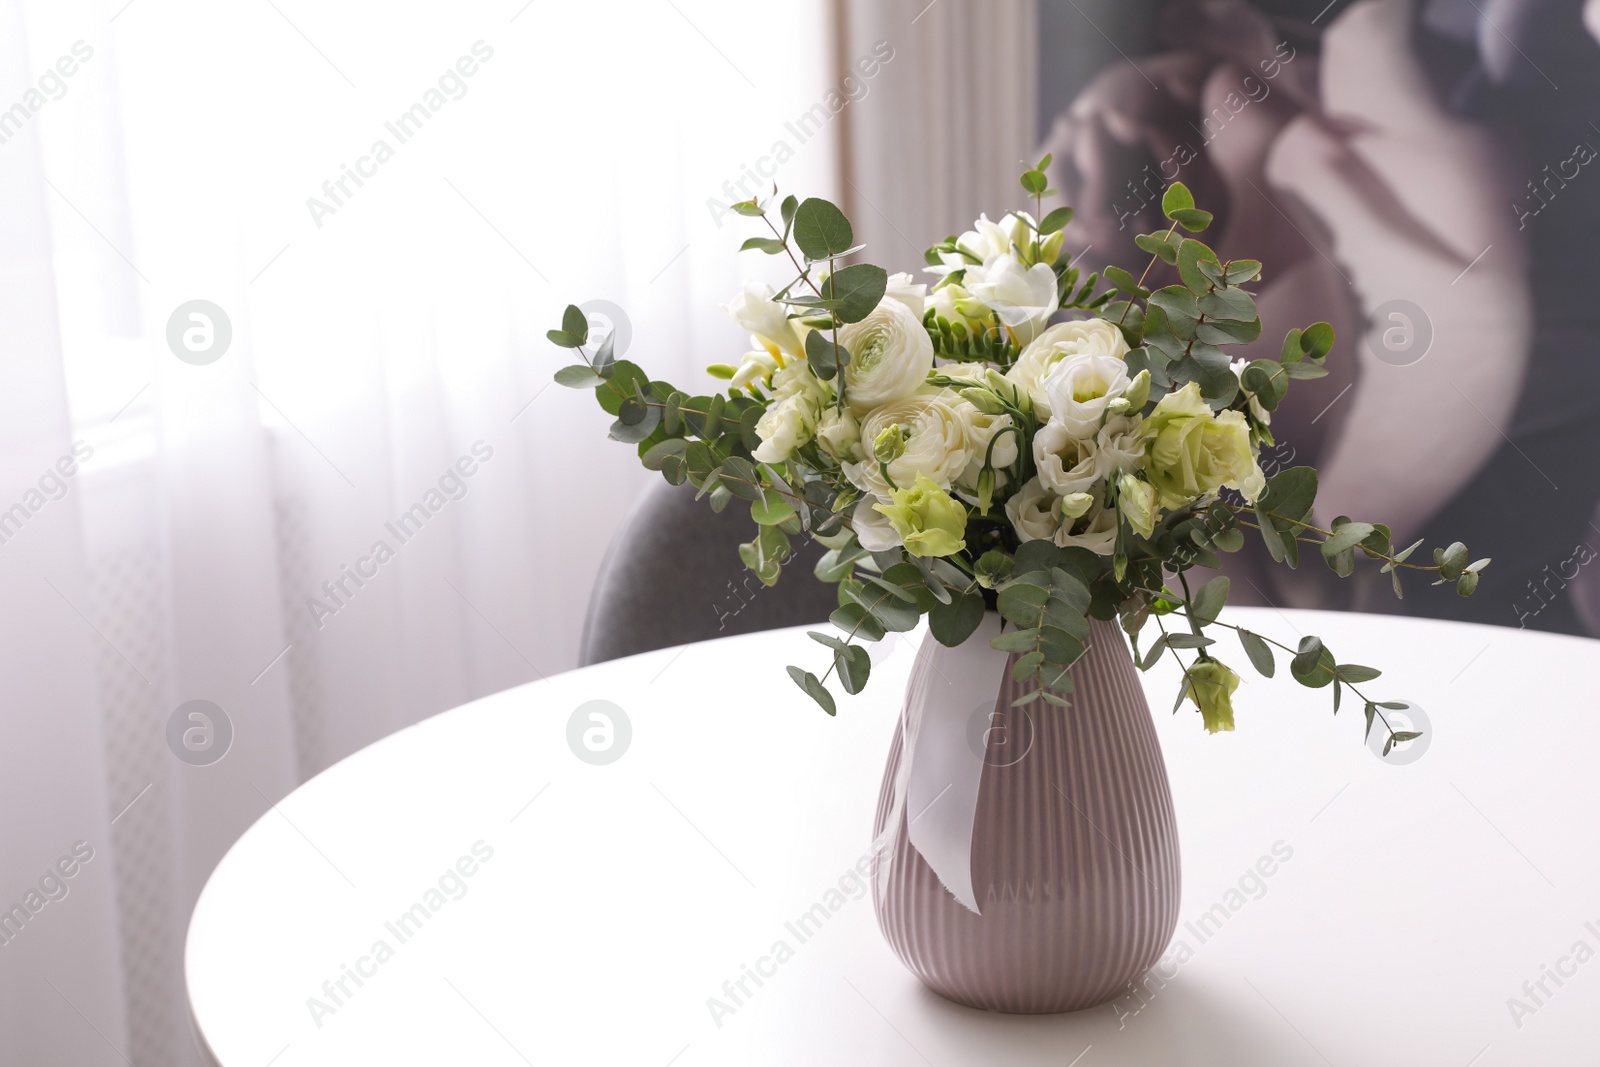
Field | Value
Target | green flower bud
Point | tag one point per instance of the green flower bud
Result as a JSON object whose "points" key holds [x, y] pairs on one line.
{"points": [[1136, 499], [1210, 685], [1138, 393], [983, 400], [1050, 247], [889, 445], [1076, 505]]}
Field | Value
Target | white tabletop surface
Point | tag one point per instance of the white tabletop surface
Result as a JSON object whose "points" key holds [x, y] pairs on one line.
{"points": [[1415, 901]]}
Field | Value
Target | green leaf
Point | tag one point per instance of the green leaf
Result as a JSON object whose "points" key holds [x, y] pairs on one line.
{"points": [[1452, 561], [1260, 653], [952, 623], [1355, 674], [1192, 219], [771, 509], [1208, 602], [578, 376], [1240, 271], [1189, 641], [1056, 220], [655, 458], [624, 382], [854, 619], [1125, 282], [1152, 657], [1232, 304], [823, 355], [788, 209], [772, 246], [859, 288], [1291, 493], [813, 688], [1160, 244], [837, 563], [821, 230], [1313, 666], [1020, 641], [575, 324], [1346, 537], [1035, 182], [1176, 198], [1190, 254]]}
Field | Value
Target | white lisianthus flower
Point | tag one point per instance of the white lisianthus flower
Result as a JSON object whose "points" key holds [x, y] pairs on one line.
{"points": [[791, 419], [757, 365], [890, 356], [838, 433], [935, 443], [1080, 387], [755, 310], [1095, 337], [873, 528], [1096, 531], [1034, 511], [1067, 464], [912, 294], [1121, 444], [1022, 297]]}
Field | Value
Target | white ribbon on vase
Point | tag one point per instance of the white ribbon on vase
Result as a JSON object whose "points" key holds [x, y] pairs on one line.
{"points": [[942, 756]]}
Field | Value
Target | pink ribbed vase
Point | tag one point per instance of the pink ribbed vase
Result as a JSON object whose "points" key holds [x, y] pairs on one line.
{"points": [[1074, 850]]}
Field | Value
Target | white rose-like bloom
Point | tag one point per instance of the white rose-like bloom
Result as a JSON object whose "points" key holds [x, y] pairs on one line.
{"points": [[1022, 297], [1097, 531], [890, 356], [913, 295], [1034, 511], [838, 433], [1120, 445], [873, 528], [755, 310], [791, 419], [937, 443], [1095, 337], [1067, 464], [1080, 386]]}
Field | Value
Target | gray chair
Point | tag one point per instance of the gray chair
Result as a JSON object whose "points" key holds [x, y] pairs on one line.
{"points": [[673, 575]]}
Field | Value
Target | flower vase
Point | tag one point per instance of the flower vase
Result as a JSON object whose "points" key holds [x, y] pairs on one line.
{"points": [[1063, 817]]}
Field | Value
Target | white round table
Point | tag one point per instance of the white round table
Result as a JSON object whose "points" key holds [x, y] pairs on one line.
{"points": [[469, 891]]}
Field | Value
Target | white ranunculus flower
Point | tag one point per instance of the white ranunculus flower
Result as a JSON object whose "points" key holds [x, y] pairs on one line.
{"points": [[890, 356], [755, 310], [1080, 386], [757, 366], [838, 433], [1120, 444], [1022, 297], [1096, 337], [791, 419], [912, 294], [1096, 531], [1067, 464], [1034, 511], [937, 443], [873, 528]]}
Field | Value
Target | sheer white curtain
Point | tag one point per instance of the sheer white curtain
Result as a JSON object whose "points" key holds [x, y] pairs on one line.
{"points": [[218, 537]]}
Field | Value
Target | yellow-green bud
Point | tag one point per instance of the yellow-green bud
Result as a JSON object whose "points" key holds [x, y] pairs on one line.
{"points": [[889, 445], [1050, 248], [1210, 685], [1076, 505], [984, 401], [1137, 394]]}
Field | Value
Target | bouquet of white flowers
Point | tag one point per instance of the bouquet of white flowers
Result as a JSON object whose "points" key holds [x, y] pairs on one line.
{"points": [[1012, 437]]}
